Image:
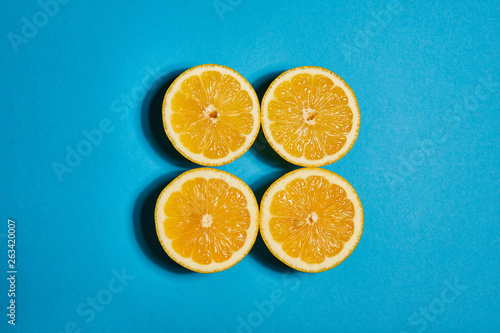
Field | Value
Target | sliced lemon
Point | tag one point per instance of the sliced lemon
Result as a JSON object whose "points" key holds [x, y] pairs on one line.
{"points": [[211, 114], [310, 116], [311, 219], [207, 220]]}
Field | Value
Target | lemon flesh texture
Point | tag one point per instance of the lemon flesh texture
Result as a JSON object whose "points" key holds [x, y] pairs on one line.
{"points": [[310, 116], [311, 219], [207, 220], [211, 114]]}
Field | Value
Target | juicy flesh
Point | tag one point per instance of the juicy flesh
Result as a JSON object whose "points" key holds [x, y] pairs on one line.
{"points": [[309, 116], [207, 220], [212, 114], [311, 219]]}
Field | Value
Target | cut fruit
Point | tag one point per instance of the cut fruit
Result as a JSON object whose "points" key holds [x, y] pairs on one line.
{"points": [[311, 219], [310, 116], [211, 114], [207, 220]]}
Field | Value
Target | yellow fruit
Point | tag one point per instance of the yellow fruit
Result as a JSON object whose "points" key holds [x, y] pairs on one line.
{"points": [[310, 116], [311, 219], [211, 114], [207, 220]]}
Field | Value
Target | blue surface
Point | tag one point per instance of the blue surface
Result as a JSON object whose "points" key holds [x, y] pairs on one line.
{"points": [[425, 165]]}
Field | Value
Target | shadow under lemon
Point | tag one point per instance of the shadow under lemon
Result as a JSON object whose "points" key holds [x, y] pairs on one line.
{"points": [[145, 227], [259, 251], [152, 122], [263, 151]]}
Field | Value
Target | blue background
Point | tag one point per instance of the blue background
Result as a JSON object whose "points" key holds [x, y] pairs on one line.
{"points": [[425, 164]]}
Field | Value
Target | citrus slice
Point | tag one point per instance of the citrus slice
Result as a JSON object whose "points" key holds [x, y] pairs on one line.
{"points": [[311, 219], [310, 116], [211, 114], [207, 220]]}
